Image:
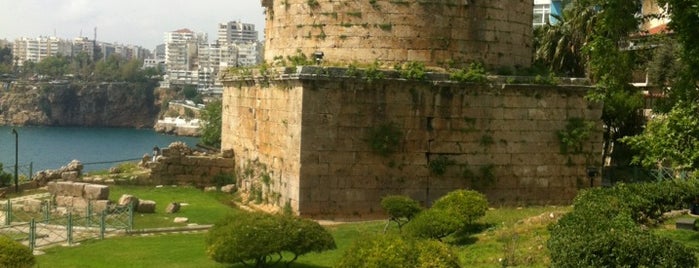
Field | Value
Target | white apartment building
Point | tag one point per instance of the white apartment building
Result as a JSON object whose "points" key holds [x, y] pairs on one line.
{"points": [[236, 32], [83, 44], [37, 49], [182, 57]]}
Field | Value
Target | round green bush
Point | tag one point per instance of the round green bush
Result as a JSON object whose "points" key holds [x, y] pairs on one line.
{"points": [[468, 204], [260, 238], [400, 209], [14, 254], [604, 230], [435, 224], [390, 250]]}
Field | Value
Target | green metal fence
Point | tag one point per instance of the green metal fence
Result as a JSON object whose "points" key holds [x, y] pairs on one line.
{"points": [[52, 225], [631, 174]]}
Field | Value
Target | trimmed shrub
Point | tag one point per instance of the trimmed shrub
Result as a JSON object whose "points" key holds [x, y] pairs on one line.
{"points": [[14, 254], [435, 224], [400, 209], [604, 229], [467, 204], [260, 238], [387, 251], [305, 236]]}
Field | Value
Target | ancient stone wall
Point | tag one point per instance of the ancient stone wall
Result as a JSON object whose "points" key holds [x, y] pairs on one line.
{"points": [[321, 141], [77, 196], [178, 165], [435, 32]]}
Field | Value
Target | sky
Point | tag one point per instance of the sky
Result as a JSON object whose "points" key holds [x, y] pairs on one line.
{"points": [[134, 22]]}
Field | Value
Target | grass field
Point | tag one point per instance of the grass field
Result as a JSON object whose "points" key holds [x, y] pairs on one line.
{"points": [[514, 235]]}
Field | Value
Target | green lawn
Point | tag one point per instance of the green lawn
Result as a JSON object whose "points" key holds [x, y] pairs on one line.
{"points": [[200, 208], [517, 234]]}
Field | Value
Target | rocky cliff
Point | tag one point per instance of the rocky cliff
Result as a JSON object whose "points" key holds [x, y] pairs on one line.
{"points": [[89, 104]]}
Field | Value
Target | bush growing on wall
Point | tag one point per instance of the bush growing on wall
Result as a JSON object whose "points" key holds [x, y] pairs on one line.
{"points": [[14, 254], [604, 229], [260, 239]]}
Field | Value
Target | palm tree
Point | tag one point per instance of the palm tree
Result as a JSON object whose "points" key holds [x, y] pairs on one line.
{"points": [[560, 45]]}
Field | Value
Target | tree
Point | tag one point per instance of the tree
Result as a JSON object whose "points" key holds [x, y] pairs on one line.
{"points": [[449, 214], [54, 66], [211, 124], [259, 239], [560, 46], [670, 138], [400, 209]]}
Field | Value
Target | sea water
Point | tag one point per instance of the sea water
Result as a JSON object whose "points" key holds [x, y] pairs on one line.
{"points": [[97, 148]]}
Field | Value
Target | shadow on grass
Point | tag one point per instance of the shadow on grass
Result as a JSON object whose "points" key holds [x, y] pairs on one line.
{"points": [[465, 236], [283, 265]]}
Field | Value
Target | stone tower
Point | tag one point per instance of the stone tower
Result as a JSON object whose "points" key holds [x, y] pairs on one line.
{"points": [[435, 32]]}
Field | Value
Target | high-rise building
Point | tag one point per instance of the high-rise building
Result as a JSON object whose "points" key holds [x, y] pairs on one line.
{"points": [[236, 32], [547, 11], [37, 49]]}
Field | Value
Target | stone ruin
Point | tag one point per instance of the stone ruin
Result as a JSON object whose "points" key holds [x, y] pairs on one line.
{"points": [[77, 196], [70, 172]]}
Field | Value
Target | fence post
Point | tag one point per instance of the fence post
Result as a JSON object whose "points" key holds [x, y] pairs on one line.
{"points": [[103, 217], [130, 217], [8, 213], [32, 234], [89, 213], [69, 228], [31, 170], [47, 207]]}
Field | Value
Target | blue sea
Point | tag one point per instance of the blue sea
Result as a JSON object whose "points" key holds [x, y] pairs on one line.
{"points": [[97, 148]]}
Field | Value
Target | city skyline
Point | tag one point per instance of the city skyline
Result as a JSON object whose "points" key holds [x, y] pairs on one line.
{"points": [[141, 23]]}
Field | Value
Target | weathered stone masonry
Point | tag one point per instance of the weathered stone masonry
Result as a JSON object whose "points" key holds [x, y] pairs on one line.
{"points": [[302, 139], [434, 32]]}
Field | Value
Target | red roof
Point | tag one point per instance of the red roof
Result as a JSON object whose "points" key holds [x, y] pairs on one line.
{"points": [[185, 30], [662, 28]]}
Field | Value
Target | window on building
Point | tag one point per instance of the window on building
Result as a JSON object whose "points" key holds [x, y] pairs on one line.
{"points": [[541, 14]]}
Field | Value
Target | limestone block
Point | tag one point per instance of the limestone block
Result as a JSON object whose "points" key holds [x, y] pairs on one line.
{"points": [[230, 188], [99, 205], [173, 207], [63, 187], [146, 206], [32, 205], [76, 189], [127, 199], [180, 220], [64, 201], [79, 204], [51, 187], [70, 175], [96, 192], [210, 189]]}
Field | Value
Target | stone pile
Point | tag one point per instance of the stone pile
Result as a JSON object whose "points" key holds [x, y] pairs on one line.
{"points": [[70, 172], [77, 196]]}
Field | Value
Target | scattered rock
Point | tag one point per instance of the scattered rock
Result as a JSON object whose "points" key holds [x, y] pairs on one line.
{"points": [[32, 205], [210, 189], [173, 207], [230, 188], [114, 170], [180, 220], [146, 206], [127, 199]]}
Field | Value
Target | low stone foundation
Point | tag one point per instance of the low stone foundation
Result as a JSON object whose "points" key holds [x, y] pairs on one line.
{"points": [[78, 196], [180, 165]]}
